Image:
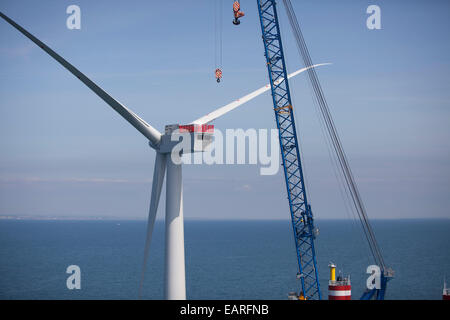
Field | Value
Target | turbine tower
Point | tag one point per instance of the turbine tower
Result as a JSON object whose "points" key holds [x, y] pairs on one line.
{"points": [[200, 134]]}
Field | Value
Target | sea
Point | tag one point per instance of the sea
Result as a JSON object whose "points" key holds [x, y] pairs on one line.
{"points": [[224, 259]]}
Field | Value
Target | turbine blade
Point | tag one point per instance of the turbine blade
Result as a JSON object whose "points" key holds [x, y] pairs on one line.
{"points": [[236, 103], [158, 178], [143, 127]]}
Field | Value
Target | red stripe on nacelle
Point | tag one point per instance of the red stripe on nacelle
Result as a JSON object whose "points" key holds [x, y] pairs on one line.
{"points": [[196, 128]]}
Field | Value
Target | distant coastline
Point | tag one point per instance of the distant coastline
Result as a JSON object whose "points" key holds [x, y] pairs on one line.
{"points": [[68, 218], [112, 218]]}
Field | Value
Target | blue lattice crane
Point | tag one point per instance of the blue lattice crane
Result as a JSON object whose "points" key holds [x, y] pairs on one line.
{"points": [[301, 214]]}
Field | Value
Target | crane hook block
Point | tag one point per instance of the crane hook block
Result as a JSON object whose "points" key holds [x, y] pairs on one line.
{"points": [[237, 13], [218, 75]]}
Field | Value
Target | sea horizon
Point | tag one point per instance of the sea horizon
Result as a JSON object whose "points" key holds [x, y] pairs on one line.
{"points": [[108, 218]]}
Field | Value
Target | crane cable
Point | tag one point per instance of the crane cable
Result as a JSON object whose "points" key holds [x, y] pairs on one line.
{"points": [[336, 143], [351, 185], [345, 196]]}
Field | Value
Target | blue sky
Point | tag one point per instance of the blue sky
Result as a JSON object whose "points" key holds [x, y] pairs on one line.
{"points": [[64, 152]]}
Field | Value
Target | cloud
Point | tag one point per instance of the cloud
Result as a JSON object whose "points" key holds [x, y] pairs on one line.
{"points": [[245, 187], [71, 180], [20, 51]]}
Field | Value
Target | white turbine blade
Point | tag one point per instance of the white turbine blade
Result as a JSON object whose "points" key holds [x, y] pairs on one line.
{"points": [[147, 130], [236, 103], [158, 178]]}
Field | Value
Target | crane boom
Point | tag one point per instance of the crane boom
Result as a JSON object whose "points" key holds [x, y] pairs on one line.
{"points": [[301, 214]]}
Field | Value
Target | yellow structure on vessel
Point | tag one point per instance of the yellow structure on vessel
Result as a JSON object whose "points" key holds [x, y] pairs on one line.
{"points": [[332, 267]]}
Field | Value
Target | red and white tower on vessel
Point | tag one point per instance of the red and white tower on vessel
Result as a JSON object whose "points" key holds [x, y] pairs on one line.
{"points": [[446, 292], [339, 288]]}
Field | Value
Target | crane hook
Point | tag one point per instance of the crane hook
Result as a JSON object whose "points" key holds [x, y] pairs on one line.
{"points": [[237, 12], [218, 74]]}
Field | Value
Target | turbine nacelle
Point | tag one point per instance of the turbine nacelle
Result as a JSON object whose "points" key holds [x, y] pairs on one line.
{"points": [[198, 138]]}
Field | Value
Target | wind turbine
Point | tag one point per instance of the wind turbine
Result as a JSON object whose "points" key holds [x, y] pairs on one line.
{"points": [[201, 133]]}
